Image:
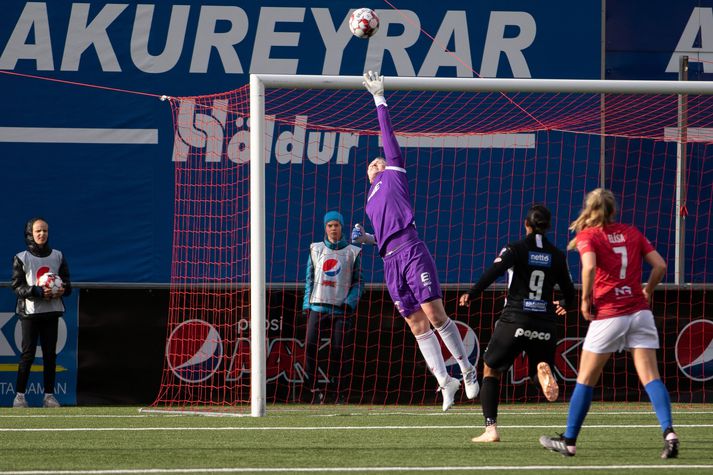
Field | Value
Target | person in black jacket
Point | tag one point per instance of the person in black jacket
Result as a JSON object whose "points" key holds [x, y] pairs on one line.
{"points": [[39, 308], [528, 321]]}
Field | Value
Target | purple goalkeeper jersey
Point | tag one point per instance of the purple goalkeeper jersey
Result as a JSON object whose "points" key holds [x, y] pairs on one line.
{"points": [[388, 203]]}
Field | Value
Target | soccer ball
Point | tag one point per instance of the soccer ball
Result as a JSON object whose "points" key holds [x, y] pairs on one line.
{"points": [[50, 280], [364, 23]]}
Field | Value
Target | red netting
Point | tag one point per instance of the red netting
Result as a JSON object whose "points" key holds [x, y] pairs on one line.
{"points": [[475, 162]]}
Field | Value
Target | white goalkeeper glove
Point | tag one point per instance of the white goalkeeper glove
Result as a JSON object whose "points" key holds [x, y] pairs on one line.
{"points": [[359, 236], [375, 85]]}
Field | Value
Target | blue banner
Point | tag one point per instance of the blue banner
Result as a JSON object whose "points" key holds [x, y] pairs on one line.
{"points": [[646, 39], [65, 389], [97, 163]]}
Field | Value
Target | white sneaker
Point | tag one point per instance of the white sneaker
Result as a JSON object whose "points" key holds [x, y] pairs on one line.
{"points": [[470, 379], [50, 401], [19, 401], [449, 391]]}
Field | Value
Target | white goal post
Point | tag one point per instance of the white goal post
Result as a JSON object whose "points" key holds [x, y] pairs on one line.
{"points": [[258, 84]]}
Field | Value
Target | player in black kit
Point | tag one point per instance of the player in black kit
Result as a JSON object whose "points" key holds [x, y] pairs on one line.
{"points": [[529, 319]]}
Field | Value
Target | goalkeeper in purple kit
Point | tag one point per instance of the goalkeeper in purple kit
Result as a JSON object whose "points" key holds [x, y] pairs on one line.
{"points": [[409, 268]]}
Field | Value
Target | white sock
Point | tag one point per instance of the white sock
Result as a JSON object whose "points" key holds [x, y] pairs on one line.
{"points": [[431, 351], [454, 343], [20, 394]]}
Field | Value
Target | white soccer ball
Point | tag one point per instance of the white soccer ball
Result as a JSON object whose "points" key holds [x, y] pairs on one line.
{"points": [[52, 281], [364, 23]]}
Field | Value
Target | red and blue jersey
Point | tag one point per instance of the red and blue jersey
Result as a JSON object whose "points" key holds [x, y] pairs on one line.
{"points": [[620, 251]]}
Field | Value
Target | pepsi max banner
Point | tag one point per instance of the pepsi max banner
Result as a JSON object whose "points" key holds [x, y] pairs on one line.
{"points": [[65, 389], [97, 163], [387, 367]]}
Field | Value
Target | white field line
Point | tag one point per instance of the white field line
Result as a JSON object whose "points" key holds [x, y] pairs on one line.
{"points": [[320, 413], [321, 428], [81, 416], [456, 412], [479, 468]]}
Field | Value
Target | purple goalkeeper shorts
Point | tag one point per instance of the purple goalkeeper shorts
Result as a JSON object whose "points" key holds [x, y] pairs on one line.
{"points": [[411, 277]]}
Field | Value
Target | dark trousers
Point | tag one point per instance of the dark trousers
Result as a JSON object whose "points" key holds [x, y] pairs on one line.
{"points": [[339, 366], [43, 328]]}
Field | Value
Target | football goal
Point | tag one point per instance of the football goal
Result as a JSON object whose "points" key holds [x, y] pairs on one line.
{"points": [[257, 169]]}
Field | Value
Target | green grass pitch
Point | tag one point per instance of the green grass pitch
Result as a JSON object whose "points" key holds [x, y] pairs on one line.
{"points": [[617, 438]]}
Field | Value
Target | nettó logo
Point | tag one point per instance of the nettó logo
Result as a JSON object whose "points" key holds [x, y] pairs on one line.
{"points": [[694, 350], [194, 351]]}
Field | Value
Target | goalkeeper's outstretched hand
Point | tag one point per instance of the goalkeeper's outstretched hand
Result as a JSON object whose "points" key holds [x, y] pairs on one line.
{"points": [[375, 85], [361, 237]]}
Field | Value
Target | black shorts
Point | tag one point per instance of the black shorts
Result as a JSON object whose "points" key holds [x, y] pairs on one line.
{"points": [[537, 338]]}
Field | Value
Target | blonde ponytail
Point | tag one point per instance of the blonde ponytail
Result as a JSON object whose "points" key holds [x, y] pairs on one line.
{"points": [[599, 209]]}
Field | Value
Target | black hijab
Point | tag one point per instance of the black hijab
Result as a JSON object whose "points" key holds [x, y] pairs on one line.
{"points": [[34, 248]]}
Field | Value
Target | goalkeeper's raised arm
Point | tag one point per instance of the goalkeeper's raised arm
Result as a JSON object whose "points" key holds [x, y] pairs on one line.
{"points": [[411, 275], [392, 152]]}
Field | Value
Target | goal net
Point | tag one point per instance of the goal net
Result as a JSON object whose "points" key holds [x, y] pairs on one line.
{"points": [[478, 154]]}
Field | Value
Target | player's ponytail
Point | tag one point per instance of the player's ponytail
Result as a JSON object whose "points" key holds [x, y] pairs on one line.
{"points": [[599, 209], [538, 218]]}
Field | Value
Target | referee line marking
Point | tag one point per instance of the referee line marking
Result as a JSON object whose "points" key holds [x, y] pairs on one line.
{"points": [[78, 135], [487, 468], [320, 428]]}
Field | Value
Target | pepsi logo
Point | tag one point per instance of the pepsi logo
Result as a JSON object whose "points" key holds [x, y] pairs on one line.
{"points": [[42, 271], [694, 350], [332, 267], [472, 349], [194, 351]]}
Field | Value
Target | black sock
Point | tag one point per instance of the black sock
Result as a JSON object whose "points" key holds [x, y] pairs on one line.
{"points": [[490, 399]]}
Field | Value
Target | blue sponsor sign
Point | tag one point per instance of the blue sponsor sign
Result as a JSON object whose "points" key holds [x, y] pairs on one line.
{"points": [[646, 38], [109, 154], [10, 348], [104, 156], [533, 305]]}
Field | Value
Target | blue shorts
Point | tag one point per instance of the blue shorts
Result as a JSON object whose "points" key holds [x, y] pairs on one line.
{"points": [[411, 277]]}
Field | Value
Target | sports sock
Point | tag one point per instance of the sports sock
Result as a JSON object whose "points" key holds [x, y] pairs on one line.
{"points": [[658, 394], [431, 351], [579, 405], [490, 399], [453, 341]]}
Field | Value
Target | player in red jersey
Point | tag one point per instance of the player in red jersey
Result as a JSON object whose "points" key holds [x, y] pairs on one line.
{"points": [[619, 310]]}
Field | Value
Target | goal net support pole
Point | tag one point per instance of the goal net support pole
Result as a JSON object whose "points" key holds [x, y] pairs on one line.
{"points": [[258, 84], [681, 174], [258, 304]]}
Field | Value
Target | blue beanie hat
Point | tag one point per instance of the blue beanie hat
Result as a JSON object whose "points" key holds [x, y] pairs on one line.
{"points": [[333, 216]]}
